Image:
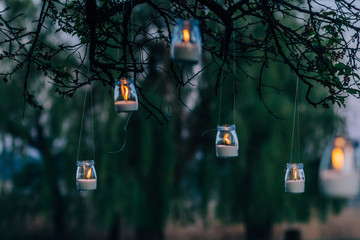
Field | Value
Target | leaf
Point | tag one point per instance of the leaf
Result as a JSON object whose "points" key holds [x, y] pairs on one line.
{"points": [[341, 99], [355, 75], [352, 91], [341, 66]]}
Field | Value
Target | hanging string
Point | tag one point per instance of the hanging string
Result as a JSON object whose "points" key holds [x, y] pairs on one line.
{"points": [[125, 130], [81, 126], [210, 130], [132, 32], [220, 99], [234, 69], [132, 21], [92, 118], [221, 90], [296, 108], [298, 121], [82, 120], [119, 39]]}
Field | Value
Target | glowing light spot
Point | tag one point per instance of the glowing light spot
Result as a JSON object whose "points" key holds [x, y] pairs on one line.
{"points": [[226, 139], [186, 35], [295, 173], [337, 158], [125, 92], [88, 175]]}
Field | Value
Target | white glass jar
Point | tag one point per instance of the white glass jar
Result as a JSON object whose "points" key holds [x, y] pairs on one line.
{"points": [[186, 42], [294, 178], [125, 96], [226, 142], [86, 175]]}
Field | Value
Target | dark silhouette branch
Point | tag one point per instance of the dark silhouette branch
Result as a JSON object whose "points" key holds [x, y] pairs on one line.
{"points": [[318, 43]]}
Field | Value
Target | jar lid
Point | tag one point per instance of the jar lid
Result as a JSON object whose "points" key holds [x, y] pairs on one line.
{"points": [[85, 163], [294, 165], [226, 127], [123, 80], [187, 21]]}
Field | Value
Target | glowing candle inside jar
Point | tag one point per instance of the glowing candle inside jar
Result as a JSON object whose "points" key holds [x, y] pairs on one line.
{"points": [[87, 183], [337, 182], [226, 150], [125, 105], [337, 158], [186, 51], [124, 92], [295, 185], [186, 35]]}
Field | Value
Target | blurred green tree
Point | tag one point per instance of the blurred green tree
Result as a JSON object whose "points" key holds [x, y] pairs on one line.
{"points": [[135, 186]]}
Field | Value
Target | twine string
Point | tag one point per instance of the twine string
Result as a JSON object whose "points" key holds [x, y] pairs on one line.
{"points": [[132, 21], [210, 130], [81, 126], [83, 119], [119, 38], [92, 120], [234, 69], [296, 109], [220, 99], [298, 121], [125, 130]]}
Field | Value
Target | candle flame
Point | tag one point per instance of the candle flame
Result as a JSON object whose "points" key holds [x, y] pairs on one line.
{"points": [[337, 158], [294, 173], [88, 175], [186, 35], [125, 92], [226, 139]]}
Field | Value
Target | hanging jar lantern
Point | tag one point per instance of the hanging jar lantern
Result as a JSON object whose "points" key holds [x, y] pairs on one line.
{"points": [[226, 142], [339, 174], [294, 178], [125, 95], [186, 42], [85, 175]]}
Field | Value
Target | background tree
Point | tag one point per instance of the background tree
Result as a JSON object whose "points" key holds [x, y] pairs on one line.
{"points": [[134, 186], [250, 189], [155, 170]]}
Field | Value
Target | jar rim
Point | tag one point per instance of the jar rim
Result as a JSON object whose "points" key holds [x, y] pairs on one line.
{"points": [[228, 127], [123, 80], [342, 141], [294, 165], [85, 162], [191, 21]]}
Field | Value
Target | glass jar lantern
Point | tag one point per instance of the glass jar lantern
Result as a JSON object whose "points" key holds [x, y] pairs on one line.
{"points": [[85, 175], [294, 178], [186, 42], [338, 172], [226, 142], [125, 95]]}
